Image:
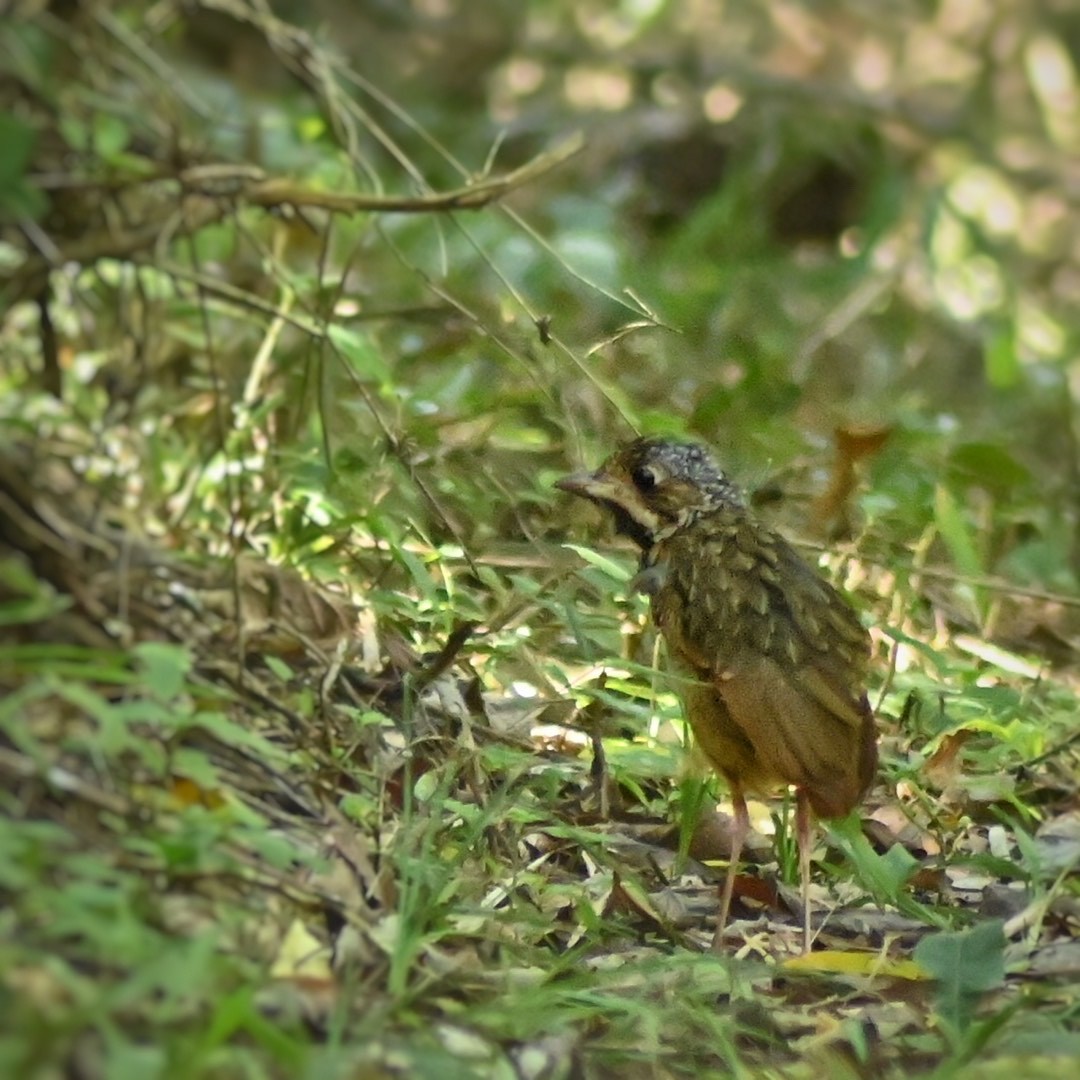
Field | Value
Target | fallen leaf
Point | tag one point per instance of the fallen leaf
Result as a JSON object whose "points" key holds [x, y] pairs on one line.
{"points": [[870, 965]]}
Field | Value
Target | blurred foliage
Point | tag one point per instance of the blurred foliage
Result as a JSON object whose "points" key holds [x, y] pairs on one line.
{"points": [[321, 285]]}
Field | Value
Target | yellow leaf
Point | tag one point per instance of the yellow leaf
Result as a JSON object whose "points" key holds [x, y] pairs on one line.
{"points": [[835, 962], [301, 955]]}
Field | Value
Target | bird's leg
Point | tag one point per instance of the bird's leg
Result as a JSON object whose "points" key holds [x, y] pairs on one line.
{"points": [[804, 833], [738, 835]]}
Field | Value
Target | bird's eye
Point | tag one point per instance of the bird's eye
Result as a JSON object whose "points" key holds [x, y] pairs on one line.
{"points": [[645, 478]]}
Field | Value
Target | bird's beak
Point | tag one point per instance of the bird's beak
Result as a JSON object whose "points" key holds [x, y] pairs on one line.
{"points": [[633, 517], [589, 485]]}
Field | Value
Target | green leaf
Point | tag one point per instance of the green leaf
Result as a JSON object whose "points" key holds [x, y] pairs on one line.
{"points": [[426, 786], [114, 719], [163, 668], [370, 718], [418, 571], [230, 733], [110, 136], [602, 562], [126, 1060], [883, 875], [965, 964], [1001, 360], [989, 465], [278, 667], [27, 598], [17, 197], [960, 541], [196, 766], [365, 360], [956, 534], [693, 791], [17, 140]]}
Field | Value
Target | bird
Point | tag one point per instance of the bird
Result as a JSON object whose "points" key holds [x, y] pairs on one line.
{"points": [[773, 657]]}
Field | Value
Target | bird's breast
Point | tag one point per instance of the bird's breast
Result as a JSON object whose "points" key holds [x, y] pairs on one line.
{"points": [[675, 591]]}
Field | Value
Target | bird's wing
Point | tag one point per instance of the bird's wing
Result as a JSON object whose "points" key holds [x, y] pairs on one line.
{"points": [[744, 612], [798, 740]]}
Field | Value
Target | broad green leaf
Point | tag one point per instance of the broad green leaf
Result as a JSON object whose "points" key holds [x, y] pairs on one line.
{"points": [[884, 876], [989, 465], [965, 964], [163, 668]]}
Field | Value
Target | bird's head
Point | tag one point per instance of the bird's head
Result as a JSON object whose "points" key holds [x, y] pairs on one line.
{"points": [[654, 487]]}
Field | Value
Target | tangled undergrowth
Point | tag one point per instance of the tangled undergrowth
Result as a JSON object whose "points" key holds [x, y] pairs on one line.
{"points": [[328, 747]]}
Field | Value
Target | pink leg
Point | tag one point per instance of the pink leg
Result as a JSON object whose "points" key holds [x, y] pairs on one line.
{"points": [[803, 830], [738, 836]]}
